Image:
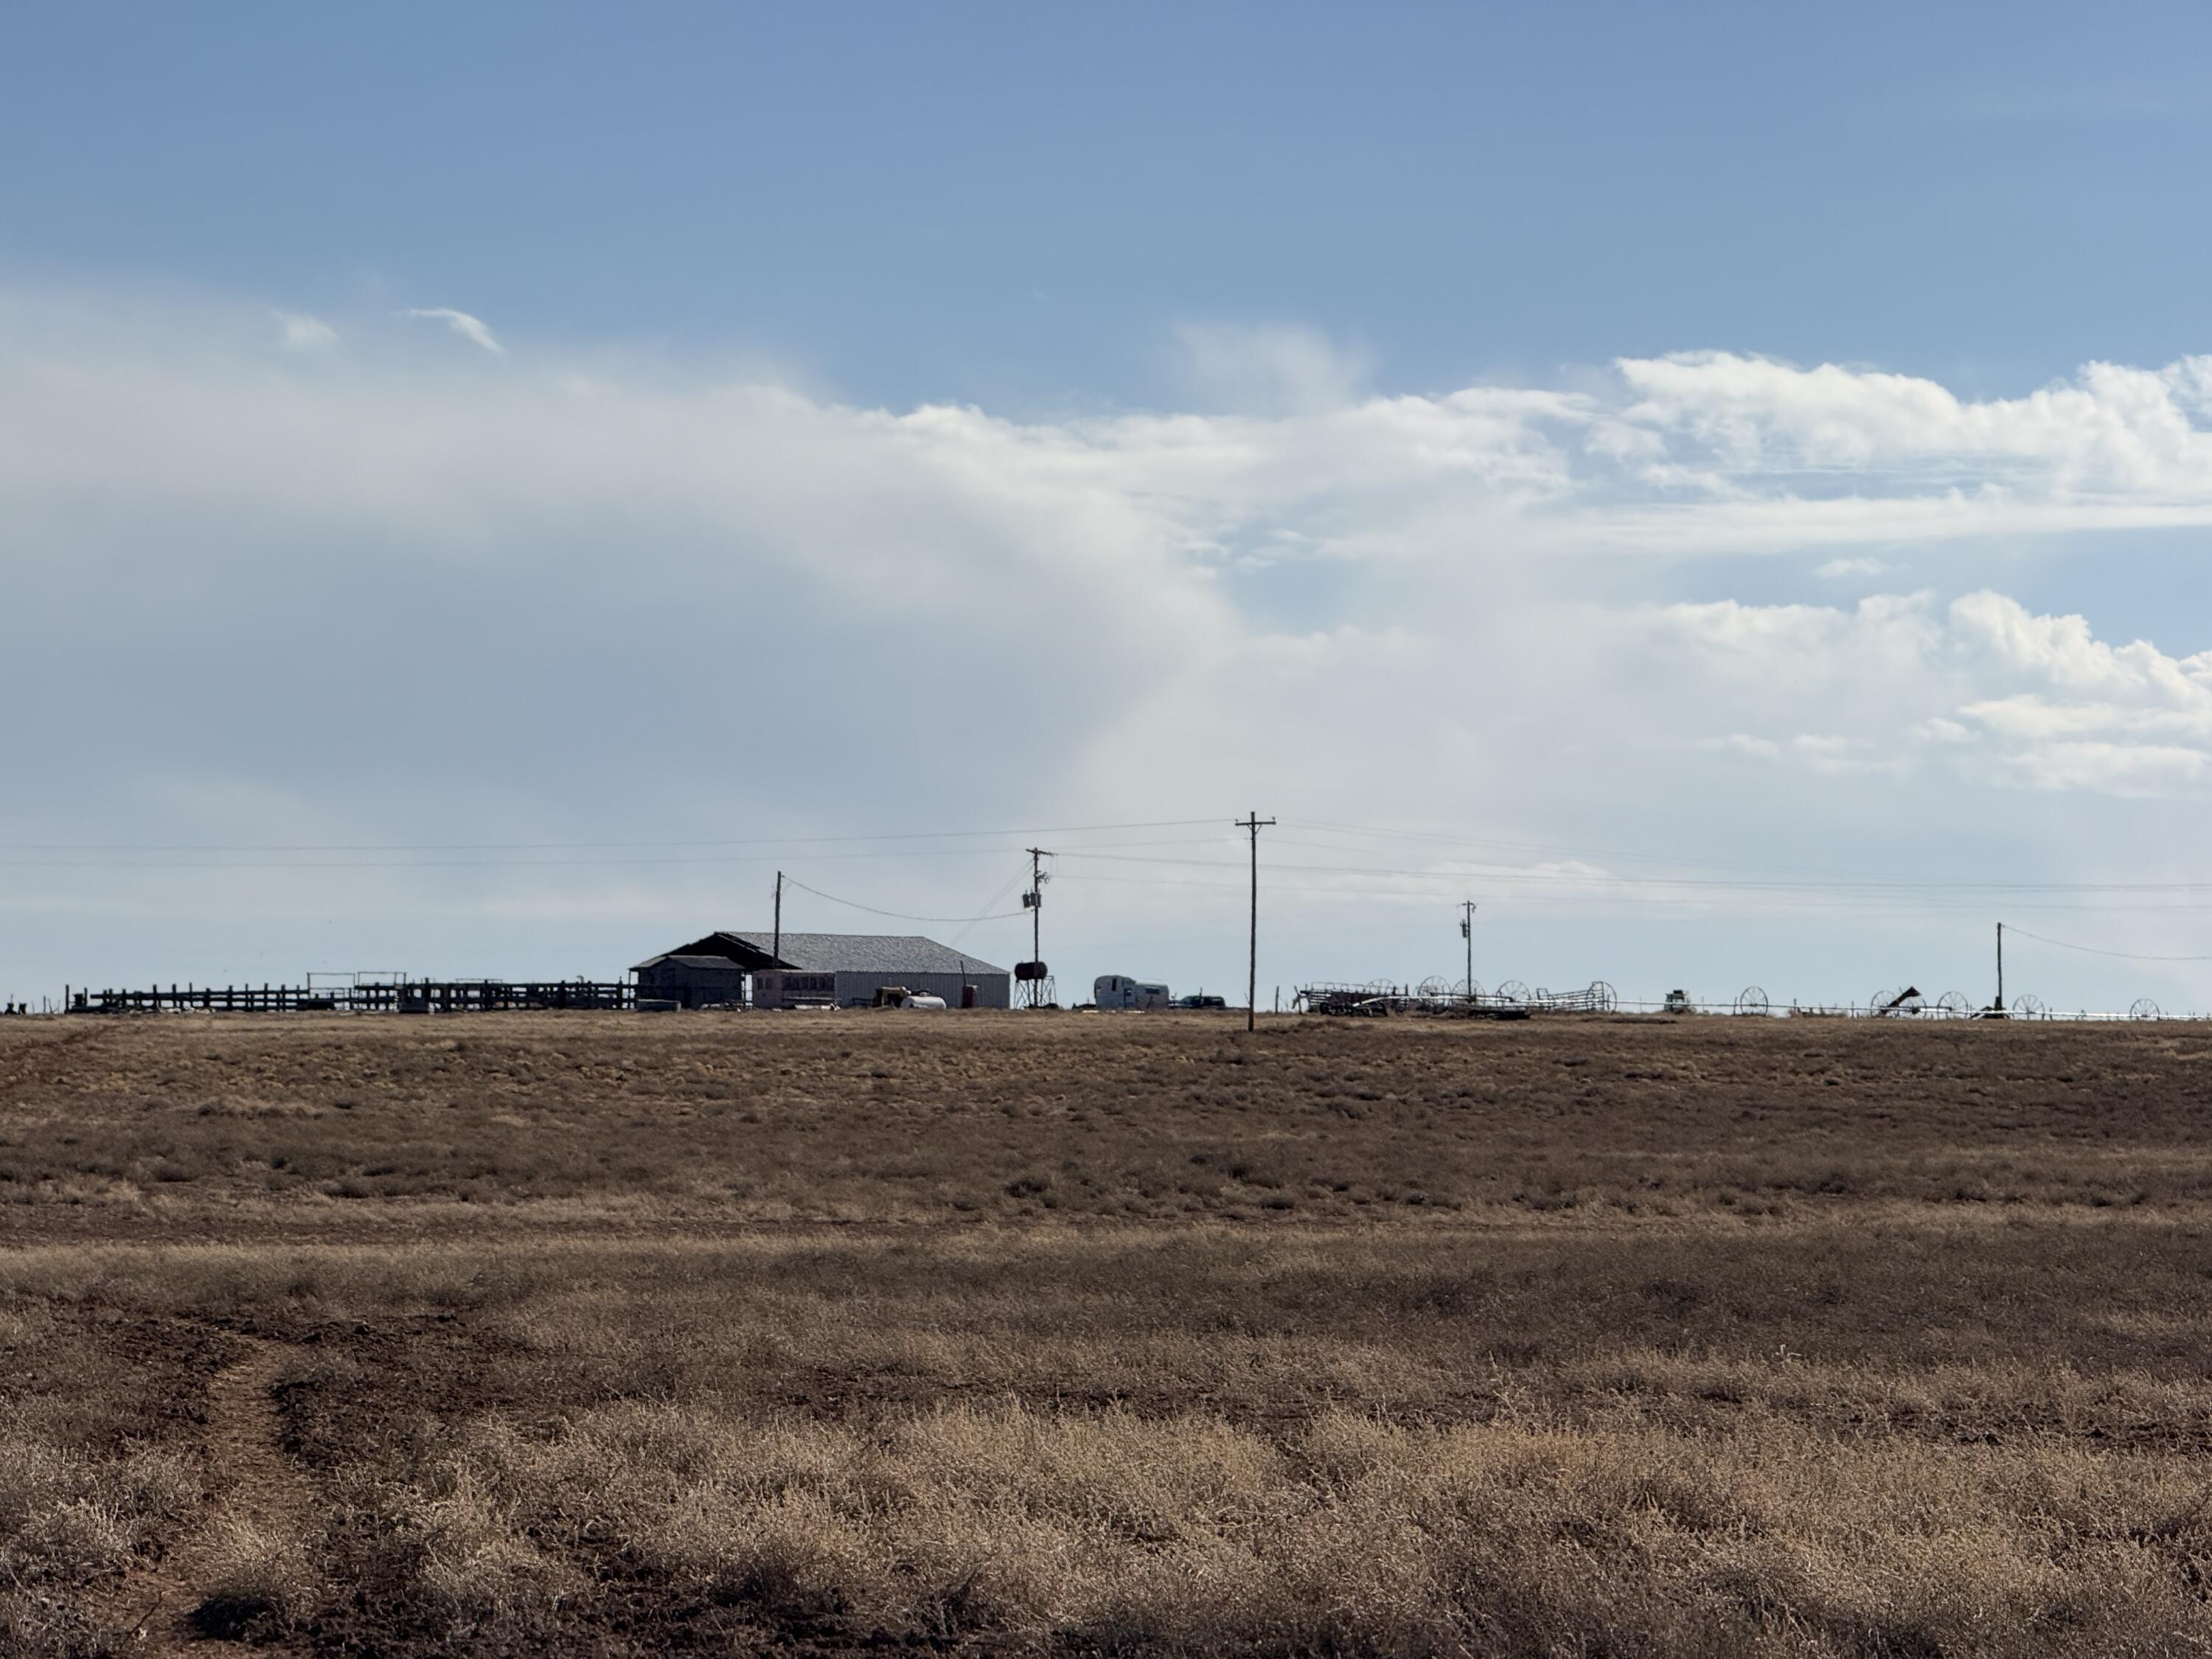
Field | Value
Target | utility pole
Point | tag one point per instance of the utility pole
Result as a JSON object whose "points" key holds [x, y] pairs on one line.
{"points": [[1033, 902], [1467, 909], [1255, 823], [1999, 1003], [777, 952]]}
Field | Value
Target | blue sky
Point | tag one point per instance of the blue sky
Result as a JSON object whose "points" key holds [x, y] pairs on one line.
{"points": [[1009, 205], [1723, 438]]}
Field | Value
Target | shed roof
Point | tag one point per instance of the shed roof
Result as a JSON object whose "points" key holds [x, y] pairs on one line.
{"points": [[721, 965], [834, 953]]}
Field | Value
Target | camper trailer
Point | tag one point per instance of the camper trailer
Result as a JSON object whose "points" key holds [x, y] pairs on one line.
{"points": [[1120, 991]]}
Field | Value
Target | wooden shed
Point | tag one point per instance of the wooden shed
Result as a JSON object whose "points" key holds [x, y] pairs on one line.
{"points": [[691, 980]]}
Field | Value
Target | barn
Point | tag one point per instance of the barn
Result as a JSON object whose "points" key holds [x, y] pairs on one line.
{"points": [[836, 970]]}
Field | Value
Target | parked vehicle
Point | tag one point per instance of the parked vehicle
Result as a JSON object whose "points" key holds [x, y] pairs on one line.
{"points": [[897, 996], [1120, 991]]}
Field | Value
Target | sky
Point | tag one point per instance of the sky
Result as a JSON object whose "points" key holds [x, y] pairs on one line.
{"points": [[1723, 488]]}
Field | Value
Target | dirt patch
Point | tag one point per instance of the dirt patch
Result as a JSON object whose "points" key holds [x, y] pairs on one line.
{"points": [[236, 1579]]}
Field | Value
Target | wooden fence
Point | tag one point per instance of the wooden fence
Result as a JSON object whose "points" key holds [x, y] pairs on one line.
{"points": [[420, 996]]}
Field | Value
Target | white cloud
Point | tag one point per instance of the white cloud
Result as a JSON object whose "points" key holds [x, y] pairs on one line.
{"points": [[1809, 648], [2063, 650], [1271, 370], [303, 333], [2137, 770], [586, 601], [471, 328], [1815, 751], [2004, 695], [2112, 429]]}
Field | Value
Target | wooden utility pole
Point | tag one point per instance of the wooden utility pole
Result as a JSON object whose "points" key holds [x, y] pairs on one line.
{"points": [[1255, 823], [1467, 908], [1999, 1003], [777, 950]]}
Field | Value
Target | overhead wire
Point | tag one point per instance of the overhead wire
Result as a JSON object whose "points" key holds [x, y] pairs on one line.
{"points": [[900, 916], [1863, 904], [1004, 888], [1802, 888], [554, 864], [2091, 949], [582, 846], [1605, 879], [1641, 856]]}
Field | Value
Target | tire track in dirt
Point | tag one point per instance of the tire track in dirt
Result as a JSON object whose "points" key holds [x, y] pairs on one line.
{"points": [[201, 1597]]}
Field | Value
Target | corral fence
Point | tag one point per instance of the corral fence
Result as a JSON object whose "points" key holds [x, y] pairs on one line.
{"points": [[358, 993], [383, 993]]}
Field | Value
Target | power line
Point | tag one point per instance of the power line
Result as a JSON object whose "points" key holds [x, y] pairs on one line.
{"points": [[1443, 883], [2091, 949], [578, 846], [1637, 857], [1004, 887], [900, 916], [1600, 879], [901, 844], [618, 862], [1812, 890], [1817, 878]]}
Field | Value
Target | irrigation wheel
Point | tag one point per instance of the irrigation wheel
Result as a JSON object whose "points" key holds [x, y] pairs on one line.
{"points": [[2142, 1008], [1514, 992], [1955, 1003], [1604, 997], [1751, 1000], [2027, 1005]]}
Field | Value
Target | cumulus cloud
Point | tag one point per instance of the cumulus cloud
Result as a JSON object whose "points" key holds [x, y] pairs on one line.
{"points": [[474, 330], [303, 333], [651, 605], [2112, 429], [2000, 693]]}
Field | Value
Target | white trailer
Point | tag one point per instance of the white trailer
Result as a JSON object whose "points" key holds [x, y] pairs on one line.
{"points": [[1120, 991]]}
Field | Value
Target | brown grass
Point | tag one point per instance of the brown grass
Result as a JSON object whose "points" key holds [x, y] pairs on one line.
{"points": [[148, 1125], [699, 1335]]}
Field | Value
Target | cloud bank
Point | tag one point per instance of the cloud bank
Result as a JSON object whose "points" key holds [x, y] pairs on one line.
{"points": [[270, 592]]}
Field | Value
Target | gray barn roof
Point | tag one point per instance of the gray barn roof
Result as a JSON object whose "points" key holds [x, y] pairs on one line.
{"points": [[835, 953]]}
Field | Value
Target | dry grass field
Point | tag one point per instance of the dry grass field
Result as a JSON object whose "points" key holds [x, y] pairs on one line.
{"points": [[1072, 1334]]}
